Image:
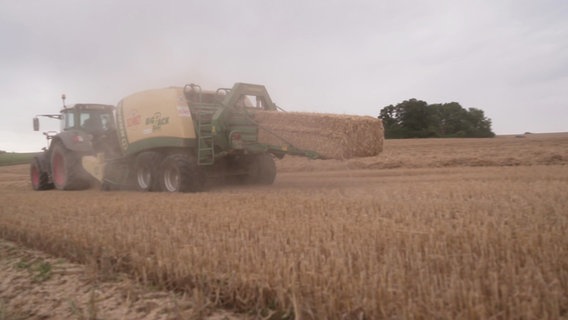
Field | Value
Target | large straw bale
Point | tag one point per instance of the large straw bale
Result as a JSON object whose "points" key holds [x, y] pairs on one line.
{"points": [[331, 135]]}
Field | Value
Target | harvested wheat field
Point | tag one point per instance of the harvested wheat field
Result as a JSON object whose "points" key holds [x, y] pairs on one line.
{"points": [[430, 229]]}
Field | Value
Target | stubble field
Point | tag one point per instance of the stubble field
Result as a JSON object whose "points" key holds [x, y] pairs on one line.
{"points": [[445, 229]]}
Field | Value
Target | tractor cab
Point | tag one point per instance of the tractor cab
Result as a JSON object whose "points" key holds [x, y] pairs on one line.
{"points": [[95, 119], [90, 123], [83, 127]]}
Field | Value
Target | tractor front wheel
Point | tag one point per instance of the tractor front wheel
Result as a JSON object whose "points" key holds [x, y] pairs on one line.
{"points": [[180, 173], [66, 170], [39, 178]]}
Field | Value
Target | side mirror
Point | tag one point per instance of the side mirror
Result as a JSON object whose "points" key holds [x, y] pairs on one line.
{"points": [[36, 124]]}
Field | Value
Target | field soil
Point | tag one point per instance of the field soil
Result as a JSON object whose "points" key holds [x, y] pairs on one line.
{"points": [[34, 285], [434, 228]]}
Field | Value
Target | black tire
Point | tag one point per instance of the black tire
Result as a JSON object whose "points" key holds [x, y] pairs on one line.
{"points": [[38, 177], [106, 186], [146, 171], [261, 170], [66, 170], [180, 173]]}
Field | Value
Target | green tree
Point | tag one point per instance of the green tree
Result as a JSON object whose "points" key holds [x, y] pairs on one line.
{"points": [[479, 124], [410, 118], [417, 119], [450, 119]]}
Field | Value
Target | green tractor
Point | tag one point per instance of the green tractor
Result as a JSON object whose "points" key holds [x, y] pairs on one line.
{"points": [[172, 139], [84, 129]]}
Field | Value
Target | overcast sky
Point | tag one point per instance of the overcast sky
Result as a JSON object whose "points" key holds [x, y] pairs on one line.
{"points": [[509, 58]]}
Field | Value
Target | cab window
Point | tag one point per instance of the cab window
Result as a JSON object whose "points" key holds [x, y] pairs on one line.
{"points": [[107, 120], [251, 101], [68, 121], [84, 118], [96, 122]]}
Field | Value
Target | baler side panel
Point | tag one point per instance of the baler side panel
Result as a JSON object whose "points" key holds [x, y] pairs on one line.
{"points": [[155, 119]]}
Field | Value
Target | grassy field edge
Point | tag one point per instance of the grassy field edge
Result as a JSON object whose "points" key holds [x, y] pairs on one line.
{"points": [[14, 158]]}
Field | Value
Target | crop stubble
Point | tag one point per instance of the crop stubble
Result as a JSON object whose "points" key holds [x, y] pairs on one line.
{"points": [[455, 242]]}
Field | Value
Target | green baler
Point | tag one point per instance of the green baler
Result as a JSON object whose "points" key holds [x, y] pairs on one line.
{"points": [[175, 139]]}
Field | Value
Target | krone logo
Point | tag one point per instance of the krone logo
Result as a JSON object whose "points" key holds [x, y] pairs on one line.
{"points": [[157, 121]]}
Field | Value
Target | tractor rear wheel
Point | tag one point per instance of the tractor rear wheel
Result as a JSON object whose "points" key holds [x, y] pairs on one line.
{"points": [[146, 169], [39, 178], [66, 170], [180, 173]]}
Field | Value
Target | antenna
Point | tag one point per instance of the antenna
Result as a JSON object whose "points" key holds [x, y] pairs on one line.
{"points": [[63, 98]]}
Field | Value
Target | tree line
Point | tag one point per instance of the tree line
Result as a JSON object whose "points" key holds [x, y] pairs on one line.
{"points": [[418, 119]]}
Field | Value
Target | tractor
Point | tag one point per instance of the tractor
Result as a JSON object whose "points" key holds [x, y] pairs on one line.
{"points": [[85, 128]]}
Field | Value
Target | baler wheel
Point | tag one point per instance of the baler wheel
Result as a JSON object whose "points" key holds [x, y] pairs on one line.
{"points": [[261, 170], [147, 171], [180, 173]]}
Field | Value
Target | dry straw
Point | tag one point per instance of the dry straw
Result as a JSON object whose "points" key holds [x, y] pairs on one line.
{"points": [[331, 135]]}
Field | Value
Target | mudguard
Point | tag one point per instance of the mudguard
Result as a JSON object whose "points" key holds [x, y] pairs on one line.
{"points": [[77, 141]]}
